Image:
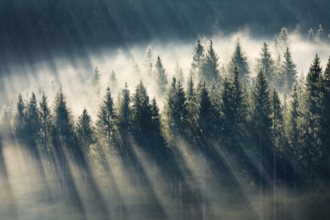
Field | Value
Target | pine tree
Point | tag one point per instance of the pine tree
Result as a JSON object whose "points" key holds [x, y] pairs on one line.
{"points": [[155, 117], [205, 108], [198, 61], [20, 118], [157, 139], [85, 130], [239, 61], [179, 73], [228, 111], [176, 109], [192, 106], [124, 111], [293, 130], [319, 34], [282, 40], [277, 121], [313, 152], [63, 121], [46, 123], [326, 114], [261, 115], [289, 71], [233, 110], [113, 80], [240, 106], [33, 122], [141, 112], [211, 65], [310, 34], [107, 119], [161, 76], [148, 61], [266, 64]]}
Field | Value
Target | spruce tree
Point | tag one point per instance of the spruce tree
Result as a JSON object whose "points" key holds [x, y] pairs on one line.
{"points": [[266, 64], [63, 121], [141, 112], [124, 111], [313, 152], [161, 76], [198, 61], [33, 122], [85, 130], [293, 129], [204, 116], [107, 119], [46, 123], [228, 111], [176, 109], [179, 73], [113, 80], [96, 76], [277, 122], [20, 118], [148, 61], [261, 115], [192, 109], [211, 65], [289, 71], [240, 105], [326, 114], [239, 61]]}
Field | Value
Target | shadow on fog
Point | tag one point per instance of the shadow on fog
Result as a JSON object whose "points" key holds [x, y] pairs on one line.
{"points": [[185, 181]]}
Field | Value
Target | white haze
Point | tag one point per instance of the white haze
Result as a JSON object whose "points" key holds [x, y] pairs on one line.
{"points": [[81, 93]]}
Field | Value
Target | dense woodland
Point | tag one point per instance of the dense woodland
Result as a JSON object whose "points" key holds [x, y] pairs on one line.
{"points": [[271, 123]]}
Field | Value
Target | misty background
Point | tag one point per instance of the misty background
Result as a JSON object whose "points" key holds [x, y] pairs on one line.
{"points": [[53, 44], [38, 30]]}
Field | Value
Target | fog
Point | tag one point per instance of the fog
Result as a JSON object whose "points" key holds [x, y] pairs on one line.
{"points": [[75, 73], [111, 190]]}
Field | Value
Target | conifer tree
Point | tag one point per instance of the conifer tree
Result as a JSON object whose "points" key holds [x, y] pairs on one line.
{"points": [[141, 112], [113, 80], [240, 105], [326, 113], [161, 76], [228, 111], [46, 123], [277, 121], [261, 115], [124, 111], [293, 129], [198, 61], [33, 122], [20, 118], [176, 111], [179, 73], [85, 130], [313, 158], [239, 61], [63, 121], [192, 109], [107, 119], [266, 64], [289, 71], [205, 108], [148, 61], [211, 65]]}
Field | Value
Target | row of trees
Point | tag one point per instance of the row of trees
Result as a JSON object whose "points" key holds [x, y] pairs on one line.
{"points": [[280, 73], [241, 114]]}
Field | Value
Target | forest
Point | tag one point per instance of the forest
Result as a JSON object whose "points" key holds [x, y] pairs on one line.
{"points": [[241, 142]]}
